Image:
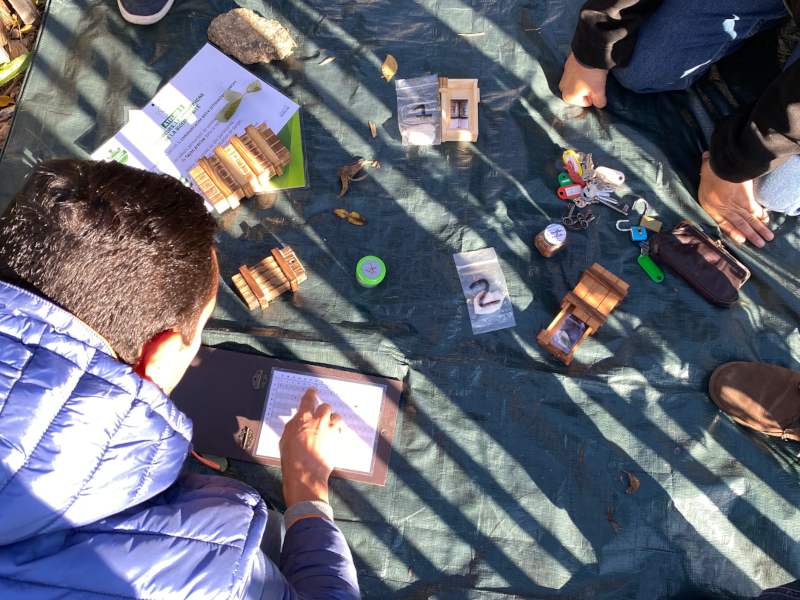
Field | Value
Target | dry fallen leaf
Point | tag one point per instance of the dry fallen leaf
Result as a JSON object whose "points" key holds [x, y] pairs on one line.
{"points": [[348, 173], [610, 517], [634, 483], [5, 101], [357, 219], [326, 61], [389, 67], [373, 129], [352, 217]]}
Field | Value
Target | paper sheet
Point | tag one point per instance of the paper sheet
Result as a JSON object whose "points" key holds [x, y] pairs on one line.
{"points": [[179, 124], [359, 404]]}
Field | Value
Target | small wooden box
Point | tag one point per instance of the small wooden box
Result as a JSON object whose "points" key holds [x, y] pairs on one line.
{"points": [[598, 292], [262, 283], [459, 91], [241, 169]]}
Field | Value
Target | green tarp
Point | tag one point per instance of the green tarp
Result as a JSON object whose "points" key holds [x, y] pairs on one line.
{"points": [[504, 460]]}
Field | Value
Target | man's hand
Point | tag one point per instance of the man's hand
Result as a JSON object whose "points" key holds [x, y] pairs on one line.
{"points": [[309, 445], [733, 207], [582, 86]]}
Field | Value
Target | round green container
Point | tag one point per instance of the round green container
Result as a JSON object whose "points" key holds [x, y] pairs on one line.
{"points": [[370, 271]]}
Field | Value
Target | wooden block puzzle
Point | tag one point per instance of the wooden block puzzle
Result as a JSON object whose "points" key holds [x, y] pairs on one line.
{"points": [[262, 283], [459, 97], [241, 169], [598, 292]]}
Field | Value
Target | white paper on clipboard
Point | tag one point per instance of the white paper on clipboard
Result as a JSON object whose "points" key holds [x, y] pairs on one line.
{"points": [[359, 403]]}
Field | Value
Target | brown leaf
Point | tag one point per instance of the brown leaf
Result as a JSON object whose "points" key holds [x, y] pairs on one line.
{"points": [[348, 173], [330, 59], [5, 101], [352, 217], [389, 67], [357, 219], [633, 485], [4, 127], [610, 517], [16, 49], [373, 129]]}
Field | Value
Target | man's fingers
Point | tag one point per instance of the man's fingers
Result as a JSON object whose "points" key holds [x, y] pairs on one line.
{"points": [[760, 228], [743, 230], [336, 420], [308, 403], [323, 412], [580, 98], [728, 228], [599, 100]]}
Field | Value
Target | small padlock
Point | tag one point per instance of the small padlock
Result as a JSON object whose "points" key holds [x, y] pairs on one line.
{"points": [[638, 234], [565, 192], [564, 179], [650, 224]]}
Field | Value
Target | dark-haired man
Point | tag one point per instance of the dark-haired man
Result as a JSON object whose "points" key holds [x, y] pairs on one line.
{"points": [[659, 45], [107, 278]]}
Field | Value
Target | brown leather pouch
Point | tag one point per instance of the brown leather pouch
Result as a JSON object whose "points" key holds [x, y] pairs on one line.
{"points": [[702, 262]]}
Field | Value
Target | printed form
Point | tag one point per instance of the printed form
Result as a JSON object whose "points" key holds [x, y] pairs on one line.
{"points": [[359, 404]]}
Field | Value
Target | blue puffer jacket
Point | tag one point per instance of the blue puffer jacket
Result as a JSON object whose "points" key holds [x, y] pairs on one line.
{"points": [[91, 501]]}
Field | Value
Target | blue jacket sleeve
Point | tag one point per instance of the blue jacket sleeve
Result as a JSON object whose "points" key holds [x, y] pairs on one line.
{"points": [[317, 562]]}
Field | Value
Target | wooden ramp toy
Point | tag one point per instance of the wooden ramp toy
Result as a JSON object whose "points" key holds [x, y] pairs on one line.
{"points": [[241, 169], [262, 283], [584, 310], [460, 98]]}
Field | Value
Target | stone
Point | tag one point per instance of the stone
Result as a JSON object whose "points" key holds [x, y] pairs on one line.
{"points": [[249, 38]]}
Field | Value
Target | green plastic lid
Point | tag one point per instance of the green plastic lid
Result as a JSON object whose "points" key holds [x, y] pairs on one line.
{"points": [[370, 270]]}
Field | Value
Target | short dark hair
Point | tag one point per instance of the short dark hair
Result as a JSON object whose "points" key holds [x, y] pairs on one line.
{"points": [[127, 251]]}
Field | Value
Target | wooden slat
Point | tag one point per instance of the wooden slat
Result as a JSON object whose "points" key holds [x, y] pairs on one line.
{"points": [[233, 169], [215, 177], [619, 287], [221, 171], [591, 311], [245, 292], [269, 168], [264, 146], [287, 270], [284, 156], [254, 287], [252, 160]]}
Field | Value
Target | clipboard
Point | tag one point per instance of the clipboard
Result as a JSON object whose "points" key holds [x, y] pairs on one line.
{"points": [[224, 393]]}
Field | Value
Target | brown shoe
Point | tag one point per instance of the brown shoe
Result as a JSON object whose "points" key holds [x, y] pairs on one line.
{"points": [[763, 397]]}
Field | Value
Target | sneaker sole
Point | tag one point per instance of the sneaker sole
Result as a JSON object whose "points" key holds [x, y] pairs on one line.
{"points": [[714, 399], [144, 19]]}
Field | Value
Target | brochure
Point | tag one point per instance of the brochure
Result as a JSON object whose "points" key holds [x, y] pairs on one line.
{"points": [[210, 99]]}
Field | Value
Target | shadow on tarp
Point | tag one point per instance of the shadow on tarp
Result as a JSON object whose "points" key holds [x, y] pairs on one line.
{"points": [[504, 460]]}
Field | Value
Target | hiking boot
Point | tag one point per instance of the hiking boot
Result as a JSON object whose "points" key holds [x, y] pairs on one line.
{"points": [[763, 397], [144, 12]]}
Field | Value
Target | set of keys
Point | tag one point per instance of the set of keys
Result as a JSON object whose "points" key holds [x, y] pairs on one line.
{"points": [[585, 184], [579, 221]]}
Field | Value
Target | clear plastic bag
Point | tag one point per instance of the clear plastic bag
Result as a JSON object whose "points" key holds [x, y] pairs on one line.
{"points": [[419, 110], [485, 288]]}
